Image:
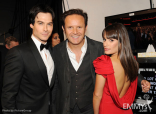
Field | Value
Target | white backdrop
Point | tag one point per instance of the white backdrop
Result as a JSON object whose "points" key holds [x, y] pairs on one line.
{"points": [[98, 9]]}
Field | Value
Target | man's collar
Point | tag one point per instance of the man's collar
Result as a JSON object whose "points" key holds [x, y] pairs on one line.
{"points": [[37, 42]]}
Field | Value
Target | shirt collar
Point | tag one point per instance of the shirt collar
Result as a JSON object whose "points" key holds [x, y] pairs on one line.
{"points": [[83, 48], [37, 43]]}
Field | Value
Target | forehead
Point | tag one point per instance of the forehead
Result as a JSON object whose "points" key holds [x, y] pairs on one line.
{"points": [[47, 17], [74, 19], [55, 34]]}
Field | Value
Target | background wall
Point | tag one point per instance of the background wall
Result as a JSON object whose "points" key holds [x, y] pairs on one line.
{"points": [[98, 9]]}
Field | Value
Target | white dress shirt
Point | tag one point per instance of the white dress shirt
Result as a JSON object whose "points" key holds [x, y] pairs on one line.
{"points": [[72, 56], [46, 57]]}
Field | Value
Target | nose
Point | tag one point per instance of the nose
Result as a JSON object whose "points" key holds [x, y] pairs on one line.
{"points": [[45, 28], [58, 39], [75, 30], [105, 43]]}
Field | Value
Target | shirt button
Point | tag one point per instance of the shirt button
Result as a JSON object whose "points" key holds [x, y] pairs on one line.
{"points": [[76, 98], [68, 81], [76, 74], [76, 86], [76, 80], [76, 92]]}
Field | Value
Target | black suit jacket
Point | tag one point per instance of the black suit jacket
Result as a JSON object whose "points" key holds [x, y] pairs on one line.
{"points": [[63, 77], [3, 52], [25, 83]]}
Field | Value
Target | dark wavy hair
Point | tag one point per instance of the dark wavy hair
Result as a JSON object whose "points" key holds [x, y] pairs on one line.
{"points": [[38, 9], [118, 31], [77, 12]]}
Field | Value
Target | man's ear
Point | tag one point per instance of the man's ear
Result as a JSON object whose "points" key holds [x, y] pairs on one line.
{"points": [[6, 45], [63, 29], [31, 25], [86, 27]]}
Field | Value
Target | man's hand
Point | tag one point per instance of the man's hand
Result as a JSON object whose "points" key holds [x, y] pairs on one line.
{"points": [[145, 86]]}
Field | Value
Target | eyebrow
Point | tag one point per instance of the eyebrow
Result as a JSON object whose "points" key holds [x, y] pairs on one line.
{"points": [[43, 22]]}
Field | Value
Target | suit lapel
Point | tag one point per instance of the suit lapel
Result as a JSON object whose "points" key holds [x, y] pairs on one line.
{"points": [[41, 65], [65, 57], [93, 56]]}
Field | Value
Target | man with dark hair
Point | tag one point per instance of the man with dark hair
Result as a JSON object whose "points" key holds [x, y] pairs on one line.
{"points": [[75, 11], [75, 71], [29, 69], [11, 42]]}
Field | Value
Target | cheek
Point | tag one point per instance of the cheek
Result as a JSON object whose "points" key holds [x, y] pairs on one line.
{"points": [[103, 44], [54, 40], [36, 29], [68, 32], [51, 28], [82, 31], [115, 46]]}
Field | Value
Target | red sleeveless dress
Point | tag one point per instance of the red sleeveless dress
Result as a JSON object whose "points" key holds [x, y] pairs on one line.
{"points": [[110, 102]]}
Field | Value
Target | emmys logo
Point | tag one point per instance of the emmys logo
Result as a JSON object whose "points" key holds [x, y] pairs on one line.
{"points": [[141, 105], [146, 96]]}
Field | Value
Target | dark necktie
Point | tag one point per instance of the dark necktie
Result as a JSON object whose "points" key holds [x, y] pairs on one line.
{"points": [[44, 46]]}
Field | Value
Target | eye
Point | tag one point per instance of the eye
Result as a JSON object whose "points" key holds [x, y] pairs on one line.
{"points": [[104, 39], [50, 24], [40, 23], [111, 40], [55, 37]]}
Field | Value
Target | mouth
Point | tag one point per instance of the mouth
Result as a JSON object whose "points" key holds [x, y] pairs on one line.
{"points": [[75, 36], [45, 34], [106, 49]]}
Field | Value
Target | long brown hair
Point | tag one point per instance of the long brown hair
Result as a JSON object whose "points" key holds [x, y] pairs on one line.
{"points": [[118, 31]]}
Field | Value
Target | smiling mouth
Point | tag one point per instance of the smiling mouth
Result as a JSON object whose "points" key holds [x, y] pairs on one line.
{"points": [[75, 37]]}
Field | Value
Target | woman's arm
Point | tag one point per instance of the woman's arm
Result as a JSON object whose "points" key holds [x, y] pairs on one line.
{"points": [[98, 91]]}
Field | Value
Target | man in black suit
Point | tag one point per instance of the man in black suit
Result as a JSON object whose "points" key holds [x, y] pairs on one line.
{"points": [[29, 72], [10, 42], [75, 71]]}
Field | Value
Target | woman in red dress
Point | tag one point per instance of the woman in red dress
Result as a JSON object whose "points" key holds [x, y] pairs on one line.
{"points": [[116, 79]]}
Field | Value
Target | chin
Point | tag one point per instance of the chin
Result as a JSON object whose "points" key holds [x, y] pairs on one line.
{"points": [[45, 39], [108, 53]]}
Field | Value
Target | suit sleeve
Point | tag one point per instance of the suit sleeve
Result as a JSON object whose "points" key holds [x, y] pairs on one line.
{"points": [[13, 72], [101, 50], [54, 89], [54, 92]]}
